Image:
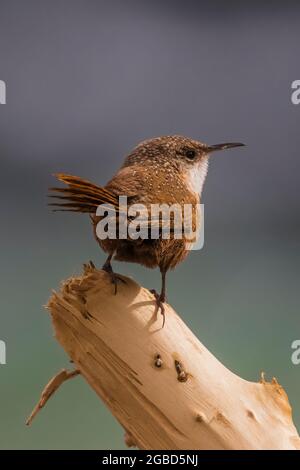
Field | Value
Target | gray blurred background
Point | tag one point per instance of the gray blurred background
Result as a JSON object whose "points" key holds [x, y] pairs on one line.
{"points": [[86, 81]]}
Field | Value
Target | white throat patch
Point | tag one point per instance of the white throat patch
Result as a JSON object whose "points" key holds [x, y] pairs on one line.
{"points": [[196, 176]]}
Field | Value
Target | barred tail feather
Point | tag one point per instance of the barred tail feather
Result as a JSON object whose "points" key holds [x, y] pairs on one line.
{"points": [[80, 195]]}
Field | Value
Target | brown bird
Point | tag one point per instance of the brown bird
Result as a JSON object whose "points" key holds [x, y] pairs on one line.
{"points": [[165, 170]]}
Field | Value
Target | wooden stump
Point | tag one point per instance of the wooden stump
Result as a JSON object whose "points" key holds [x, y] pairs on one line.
{"points": [[163, 386]]}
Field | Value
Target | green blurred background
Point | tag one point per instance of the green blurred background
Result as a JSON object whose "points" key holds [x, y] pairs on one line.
{"points": [[85, 82]]}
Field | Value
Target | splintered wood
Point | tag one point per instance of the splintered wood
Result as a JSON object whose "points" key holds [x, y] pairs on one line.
{"points": [[163, 386]]}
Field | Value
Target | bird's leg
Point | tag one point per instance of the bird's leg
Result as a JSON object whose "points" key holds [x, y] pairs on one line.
{"points": [[161, 298], [107, 267], [115, 278]]}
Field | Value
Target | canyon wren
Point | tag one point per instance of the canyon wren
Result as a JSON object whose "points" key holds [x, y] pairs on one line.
{"points": [[163, 170]]}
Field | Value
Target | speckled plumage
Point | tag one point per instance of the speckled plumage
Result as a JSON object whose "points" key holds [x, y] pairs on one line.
{"points": [[163, 170], [156, 172]]}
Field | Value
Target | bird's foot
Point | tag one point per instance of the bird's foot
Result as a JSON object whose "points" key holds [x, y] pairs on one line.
{"points": [[160, 301], [115, 278]]}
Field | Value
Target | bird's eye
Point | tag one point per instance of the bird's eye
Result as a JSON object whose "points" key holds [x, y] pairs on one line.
{"points": [[190, 154]]}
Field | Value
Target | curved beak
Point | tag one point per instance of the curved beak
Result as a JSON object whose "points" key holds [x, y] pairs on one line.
{"points": [[225, 146]]}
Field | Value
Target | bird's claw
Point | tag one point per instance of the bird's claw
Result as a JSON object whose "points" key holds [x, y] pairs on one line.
{"points": [[115, 278]]}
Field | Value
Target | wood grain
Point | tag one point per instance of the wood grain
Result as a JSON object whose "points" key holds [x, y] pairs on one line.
{"points": [[163, 386]]}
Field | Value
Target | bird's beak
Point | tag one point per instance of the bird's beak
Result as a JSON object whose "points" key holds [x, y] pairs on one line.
{"points": [[225, 146]]}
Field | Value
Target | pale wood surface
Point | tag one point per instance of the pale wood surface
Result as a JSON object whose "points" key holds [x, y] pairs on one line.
{"points": [[117, 344]]}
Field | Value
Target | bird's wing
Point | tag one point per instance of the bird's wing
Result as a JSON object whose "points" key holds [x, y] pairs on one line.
{"points": [[81, 195]]}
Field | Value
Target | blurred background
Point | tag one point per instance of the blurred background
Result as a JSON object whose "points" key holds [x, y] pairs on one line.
{"points": [[86, 81]]}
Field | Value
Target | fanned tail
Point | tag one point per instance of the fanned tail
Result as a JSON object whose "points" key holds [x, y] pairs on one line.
{"points": [[80, 195]]}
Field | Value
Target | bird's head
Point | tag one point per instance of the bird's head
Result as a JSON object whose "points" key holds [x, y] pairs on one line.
{"points": [[187, 156]]}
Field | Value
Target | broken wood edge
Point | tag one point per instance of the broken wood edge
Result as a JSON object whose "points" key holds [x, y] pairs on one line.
{"points": [[76, 292], [49, 390]]}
